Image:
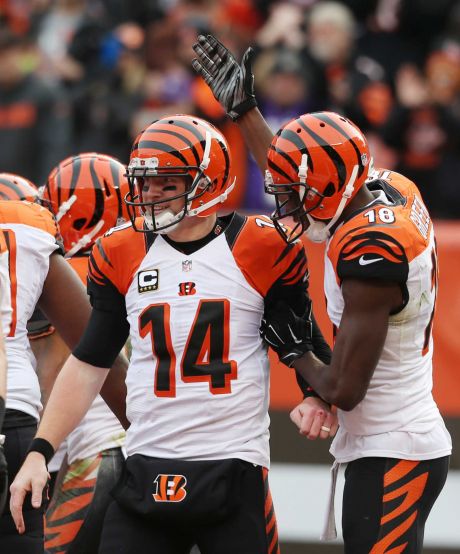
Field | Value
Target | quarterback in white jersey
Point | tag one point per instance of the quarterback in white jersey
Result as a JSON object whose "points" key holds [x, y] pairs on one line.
{"points": [[190, 289]]}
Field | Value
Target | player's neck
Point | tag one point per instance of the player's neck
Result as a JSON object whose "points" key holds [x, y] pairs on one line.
{"points": [[363, 197], [193, 228]]}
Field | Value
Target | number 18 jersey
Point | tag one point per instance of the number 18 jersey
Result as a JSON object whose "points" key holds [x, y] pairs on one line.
{"points": [[392, 239]]}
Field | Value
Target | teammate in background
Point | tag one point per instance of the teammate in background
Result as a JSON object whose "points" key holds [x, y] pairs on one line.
{"points": [[85, 193], [38, 275], [5, 310], [190, 289], [15, 187], [380, 284]]}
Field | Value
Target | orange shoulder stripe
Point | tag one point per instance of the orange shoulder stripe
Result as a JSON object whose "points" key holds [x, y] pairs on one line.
{"points": [[116, 256], [264, 257]]}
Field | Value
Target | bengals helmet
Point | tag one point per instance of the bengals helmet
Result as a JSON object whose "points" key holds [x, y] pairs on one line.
{"points": [[85, 193], [15, 187], [179, 146], [316, 164]]}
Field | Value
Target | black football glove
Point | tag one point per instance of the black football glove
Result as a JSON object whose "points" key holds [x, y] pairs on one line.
{"points": [[231, 83], [287, 333], [3, 477]]}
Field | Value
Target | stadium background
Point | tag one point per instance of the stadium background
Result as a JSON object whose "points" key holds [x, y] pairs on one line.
{"points": [[87, 75]]}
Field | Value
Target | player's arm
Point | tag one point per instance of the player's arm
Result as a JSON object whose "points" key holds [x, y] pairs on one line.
{"points": [[49, 349], [77, 385], [232, 84], [3, 466], [65, 303], [358, 345]]}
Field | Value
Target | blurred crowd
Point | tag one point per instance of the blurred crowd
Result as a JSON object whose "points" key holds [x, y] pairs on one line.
{"points": [[88, 75]]}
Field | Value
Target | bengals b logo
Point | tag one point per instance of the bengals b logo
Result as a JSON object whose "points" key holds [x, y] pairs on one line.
{"points": [[170, 488], [187, 289]]}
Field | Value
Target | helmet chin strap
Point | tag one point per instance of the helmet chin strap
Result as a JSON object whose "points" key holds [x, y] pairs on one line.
{"points": [[85, 240], [318, 231], [166, 219]]}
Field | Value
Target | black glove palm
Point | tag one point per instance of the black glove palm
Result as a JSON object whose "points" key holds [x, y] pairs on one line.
{"points": [[287, 333], [231, 83]]}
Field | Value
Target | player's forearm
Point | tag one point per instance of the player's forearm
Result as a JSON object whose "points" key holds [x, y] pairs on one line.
{"points": [[75, 389], [318, 375], [114, 389], [257, 135]]}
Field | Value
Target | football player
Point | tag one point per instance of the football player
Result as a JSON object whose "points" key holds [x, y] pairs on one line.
{"points": [[5, 309], [189, 288], [380, 284], [38, 275], [85, 192]]}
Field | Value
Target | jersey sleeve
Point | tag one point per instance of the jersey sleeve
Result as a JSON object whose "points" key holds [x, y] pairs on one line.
{"points": [[368, 253], [103, 285], [267, 262]]}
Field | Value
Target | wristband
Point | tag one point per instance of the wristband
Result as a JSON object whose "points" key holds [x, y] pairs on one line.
{"points": [[2, 411], [43, 447], [242, 108]]}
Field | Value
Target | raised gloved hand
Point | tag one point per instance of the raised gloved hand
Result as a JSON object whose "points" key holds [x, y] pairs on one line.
{"points": [[231, 83], [3, 476], [287, 333]]}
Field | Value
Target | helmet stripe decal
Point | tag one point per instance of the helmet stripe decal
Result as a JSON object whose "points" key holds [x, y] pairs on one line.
{"points": [[99, 195], [14, 188], [333, 124], [278, 169], [114, 170], [163, 147], [331, 152], [181, 137], [59, 185], [76, 168]]}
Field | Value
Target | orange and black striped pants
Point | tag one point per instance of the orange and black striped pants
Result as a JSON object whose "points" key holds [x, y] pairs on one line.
{"points": [[386, 503]]}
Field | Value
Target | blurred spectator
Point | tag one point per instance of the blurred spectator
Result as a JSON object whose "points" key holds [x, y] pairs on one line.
{"points": [[390, 65], [109, 91], [287, 85], [424, 128], [34, 116]]}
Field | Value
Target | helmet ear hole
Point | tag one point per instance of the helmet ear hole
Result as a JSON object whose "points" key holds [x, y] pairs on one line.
{"points": [[329, 190], [78, 223]]}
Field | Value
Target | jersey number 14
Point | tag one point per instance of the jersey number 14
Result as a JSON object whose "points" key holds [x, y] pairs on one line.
{"points": [[205, 356]]}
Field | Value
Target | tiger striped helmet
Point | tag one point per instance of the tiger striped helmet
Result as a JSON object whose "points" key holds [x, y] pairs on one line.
{"points": [[85, 192], [184, 146], [15, 187], [316, 164]]}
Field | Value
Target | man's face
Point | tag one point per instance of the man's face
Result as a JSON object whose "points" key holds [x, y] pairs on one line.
{"points": [[160, 189]]}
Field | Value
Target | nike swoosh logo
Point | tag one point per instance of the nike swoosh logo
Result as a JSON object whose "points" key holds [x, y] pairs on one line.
{"points": [[363, 261]]}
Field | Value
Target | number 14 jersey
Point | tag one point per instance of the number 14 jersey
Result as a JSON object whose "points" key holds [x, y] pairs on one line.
{"points": [[198, 379]]}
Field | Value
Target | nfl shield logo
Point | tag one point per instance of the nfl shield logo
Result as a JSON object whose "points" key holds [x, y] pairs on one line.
{"points": [[187, 265]]}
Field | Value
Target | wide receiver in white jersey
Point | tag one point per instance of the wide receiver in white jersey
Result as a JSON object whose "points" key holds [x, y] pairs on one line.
{"points": [[38, 276], [380, 285], [190, 290]]}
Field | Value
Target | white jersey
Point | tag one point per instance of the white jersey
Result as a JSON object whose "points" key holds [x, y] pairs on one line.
{"points": [[392, 239], [198, 379], [30, 233], [99, 429], [6, 310]]}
